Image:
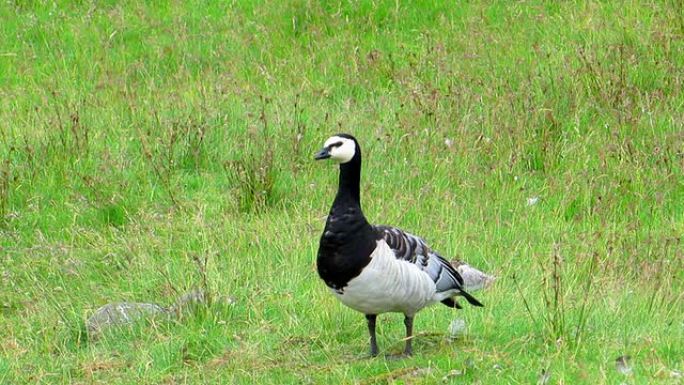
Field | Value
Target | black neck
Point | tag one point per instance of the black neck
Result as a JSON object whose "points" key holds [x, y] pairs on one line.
{"points": [[348, 191]]}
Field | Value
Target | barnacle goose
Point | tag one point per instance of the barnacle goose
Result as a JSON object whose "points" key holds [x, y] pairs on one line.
{"points": [[378, 269]]}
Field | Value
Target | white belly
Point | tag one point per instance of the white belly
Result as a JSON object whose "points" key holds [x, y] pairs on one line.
{"points": [[387, 284]]}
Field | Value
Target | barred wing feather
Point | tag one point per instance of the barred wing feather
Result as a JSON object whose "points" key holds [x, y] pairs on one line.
{"points": [[414, 249]]}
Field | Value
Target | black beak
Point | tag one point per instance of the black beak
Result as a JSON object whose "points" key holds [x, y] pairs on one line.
{"points": [[324, 153]]}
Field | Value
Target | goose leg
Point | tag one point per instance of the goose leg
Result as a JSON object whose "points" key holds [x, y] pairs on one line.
{"points": [[408, 322], [371, 331]]}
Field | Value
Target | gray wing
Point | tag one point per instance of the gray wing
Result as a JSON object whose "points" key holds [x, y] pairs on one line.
{"points": [[414, 249]]}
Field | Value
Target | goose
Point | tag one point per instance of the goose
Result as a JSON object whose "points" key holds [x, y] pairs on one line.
{"points": [[377, 269]]}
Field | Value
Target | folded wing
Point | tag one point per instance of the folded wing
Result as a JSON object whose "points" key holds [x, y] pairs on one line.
{"points": [[414, 249]]}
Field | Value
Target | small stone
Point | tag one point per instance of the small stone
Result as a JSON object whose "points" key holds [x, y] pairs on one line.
{"points": [[469, 363], [452, 373], [532, 201], [544, 377], [448, 142], [676, 373], [421, 372], [497, 367], [229, 300], [457, 328], [622, 365]]}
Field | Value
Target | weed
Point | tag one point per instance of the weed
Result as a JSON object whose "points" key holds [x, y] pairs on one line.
{"points": [[6, 181], [254, 174], [299, 131], [170, 146], [553, 295]]}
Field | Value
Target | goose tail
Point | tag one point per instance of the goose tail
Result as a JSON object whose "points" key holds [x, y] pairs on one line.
{"points": [[471, 300]]}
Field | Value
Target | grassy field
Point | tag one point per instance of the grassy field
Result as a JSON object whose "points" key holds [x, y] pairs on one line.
{"points": [[147, 149]]}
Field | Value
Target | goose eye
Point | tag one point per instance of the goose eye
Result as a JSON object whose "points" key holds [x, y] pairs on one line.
{"points": [[336, 144]]}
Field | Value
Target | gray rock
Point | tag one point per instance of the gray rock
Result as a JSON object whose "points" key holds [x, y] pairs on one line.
{"points": [[469, 363], [122, 313], [453, 373], [623, 366], [457, 328], [544, 377]]}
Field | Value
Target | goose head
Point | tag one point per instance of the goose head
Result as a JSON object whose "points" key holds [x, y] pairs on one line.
{"points": [[340, 148]]}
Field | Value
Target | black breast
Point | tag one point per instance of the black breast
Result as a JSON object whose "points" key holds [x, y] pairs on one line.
{"points": [[345, 246]]}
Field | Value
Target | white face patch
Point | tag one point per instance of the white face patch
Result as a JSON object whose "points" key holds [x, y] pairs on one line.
{"points": [[342, 150]]}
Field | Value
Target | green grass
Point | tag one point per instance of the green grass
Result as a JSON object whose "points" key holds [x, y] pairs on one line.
{"points": [[137, 138]]}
